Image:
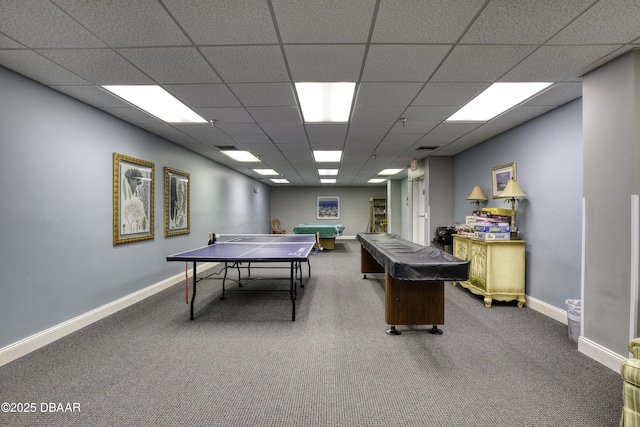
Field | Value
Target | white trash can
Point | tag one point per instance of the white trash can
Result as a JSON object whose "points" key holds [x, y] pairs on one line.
{"points": [[574, 313]]}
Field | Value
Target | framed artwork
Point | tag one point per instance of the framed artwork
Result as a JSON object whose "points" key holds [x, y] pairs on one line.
{"points": [[177, 202], [328, 207], [499, 177], [133, 208]]}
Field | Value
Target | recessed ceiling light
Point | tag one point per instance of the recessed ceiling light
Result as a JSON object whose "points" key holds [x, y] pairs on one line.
{"points": [[327, 171], [496, 99], [327, 180], [266, 172], [376, 180], [157, 102], [390, 171], [327, 155], [325, 102], [279, 180], [241, 156]]}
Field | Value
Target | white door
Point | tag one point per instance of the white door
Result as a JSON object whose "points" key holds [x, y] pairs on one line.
{"points": [[417, 210]]}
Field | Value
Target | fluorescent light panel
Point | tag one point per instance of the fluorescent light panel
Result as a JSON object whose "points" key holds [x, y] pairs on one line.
{"points": [[496, 99], [240, 156], [325, 172], [266, 172], [327, 180], [279, 180], [327, 155], [389, 171], [376, 180], [157, 102], [325, 102]]}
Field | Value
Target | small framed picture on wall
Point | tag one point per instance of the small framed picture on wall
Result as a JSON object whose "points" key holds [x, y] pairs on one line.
{"points": [[328, 207], [500, 175]]}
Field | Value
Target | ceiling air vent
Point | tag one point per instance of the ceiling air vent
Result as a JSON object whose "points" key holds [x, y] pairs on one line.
{"points": [[427, 147], [226, 147]]}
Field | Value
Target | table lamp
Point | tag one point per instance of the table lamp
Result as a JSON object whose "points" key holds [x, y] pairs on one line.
{"points": [[512, 193], [477, 195]]}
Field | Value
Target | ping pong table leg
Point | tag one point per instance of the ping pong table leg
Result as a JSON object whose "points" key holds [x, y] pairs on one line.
{"points": [[224, 279], [293, 300], [193, 294]]}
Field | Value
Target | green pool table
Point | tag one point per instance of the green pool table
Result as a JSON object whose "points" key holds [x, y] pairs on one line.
{"points": [[328, 232]]}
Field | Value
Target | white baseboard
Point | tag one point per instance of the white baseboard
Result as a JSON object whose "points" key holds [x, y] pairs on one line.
{"points": [[547, 309], [36, 341], [589, 348], [20, 348], [600, 354]]}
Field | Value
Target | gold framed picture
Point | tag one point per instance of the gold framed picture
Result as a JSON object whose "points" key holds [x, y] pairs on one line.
{"points": [[177, 202], [133, 208]]}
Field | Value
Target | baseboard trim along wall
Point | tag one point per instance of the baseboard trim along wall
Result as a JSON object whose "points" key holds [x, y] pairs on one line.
{"points": [[36, 341], [27, 345]]}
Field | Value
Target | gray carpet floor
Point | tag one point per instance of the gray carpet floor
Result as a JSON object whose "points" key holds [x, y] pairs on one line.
{"points": [[243, 362]]}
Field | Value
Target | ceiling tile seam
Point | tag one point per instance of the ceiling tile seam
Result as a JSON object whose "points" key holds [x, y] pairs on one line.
{"points": [[451, 48], [276, 28], [363, 64]]}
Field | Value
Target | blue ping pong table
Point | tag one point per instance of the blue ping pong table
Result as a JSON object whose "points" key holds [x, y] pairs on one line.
{"points": [[234, 249]]}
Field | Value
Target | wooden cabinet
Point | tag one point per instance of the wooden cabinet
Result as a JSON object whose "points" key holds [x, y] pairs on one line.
{"points": [[378, 215], [497, 268]]}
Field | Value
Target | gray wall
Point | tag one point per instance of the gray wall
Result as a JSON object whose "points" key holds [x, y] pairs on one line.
{"points": [[439, 178], [612, 175], [548, 154], [296, 205], [57, 260]]}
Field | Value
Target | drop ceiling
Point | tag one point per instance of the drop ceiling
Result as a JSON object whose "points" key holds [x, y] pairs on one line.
{"points": [[234, 62]]}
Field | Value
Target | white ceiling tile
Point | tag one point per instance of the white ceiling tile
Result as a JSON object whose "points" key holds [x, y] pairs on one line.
{"points": [[423, 21], [170, 133], [235, 61], [204, 95], [449, 93], [558, 94], [413, 127], [233, 129], [428, 113], [239, 64], [224, 21], [7, 43], [225, 114], [389, 113], [313, 63], [387, 93], [607, 21], [468, 63], [264, 94], [206, 134], [555, 63], [370, 128], [126, 23], [92, 95], [38, 68], [98, 66], [289, 115], [324, 21], [522, 21], [403, 63], [248, 139], [295, 129], [171, 65], [40, 24]]}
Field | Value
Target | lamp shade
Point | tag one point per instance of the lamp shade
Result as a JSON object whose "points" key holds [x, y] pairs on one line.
{"points": [[476, 194], [512, 190]]}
